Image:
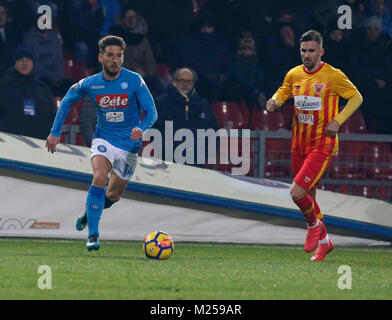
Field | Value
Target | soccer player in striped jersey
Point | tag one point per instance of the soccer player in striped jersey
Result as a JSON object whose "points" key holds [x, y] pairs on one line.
{"points": [[316, 87], [120, 97]]}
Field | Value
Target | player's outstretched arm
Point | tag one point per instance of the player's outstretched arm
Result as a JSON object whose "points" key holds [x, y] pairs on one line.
{"points": [[51, 143]]}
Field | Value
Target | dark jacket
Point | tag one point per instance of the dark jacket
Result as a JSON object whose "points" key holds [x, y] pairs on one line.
{"points": [[26, 105], [171, 106]]}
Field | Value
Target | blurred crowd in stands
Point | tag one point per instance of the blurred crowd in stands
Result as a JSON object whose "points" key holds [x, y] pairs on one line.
{"points": [[237, 50]]}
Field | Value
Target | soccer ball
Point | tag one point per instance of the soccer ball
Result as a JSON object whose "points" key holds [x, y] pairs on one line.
{"points": [[158, 245]]}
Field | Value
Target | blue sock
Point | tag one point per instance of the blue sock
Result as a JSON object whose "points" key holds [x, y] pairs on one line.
{"points": [[94, 205]]}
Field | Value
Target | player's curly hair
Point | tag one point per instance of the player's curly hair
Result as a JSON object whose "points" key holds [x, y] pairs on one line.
{"points": [[110, 41]]}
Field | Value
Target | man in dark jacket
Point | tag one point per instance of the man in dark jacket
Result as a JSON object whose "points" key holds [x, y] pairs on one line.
{"points": [[181, 105], [26, 106]]}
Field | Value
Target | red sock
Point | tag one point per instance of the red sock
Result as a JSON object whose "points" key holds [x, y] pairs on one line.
{"points": [[306, 205], [317, 211]]}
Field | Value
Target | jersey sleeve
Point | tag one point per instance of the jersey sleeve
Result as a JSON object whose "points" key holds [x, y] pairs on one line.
{"points": [[74, 94], [343, 86], [285, 90], [147, 103]]}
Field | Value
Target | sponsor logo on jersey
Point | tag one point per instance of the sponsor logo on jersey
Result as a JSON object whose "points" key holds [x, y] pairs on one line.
{"points": [[305, 118], [307, 179], [318, 88], [109, 101], [307, 103], [114, 116]]}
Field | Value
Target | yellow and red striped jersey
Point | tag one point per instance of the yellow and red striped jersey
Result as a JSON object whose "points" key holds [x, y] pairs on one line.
{"points": [[316, 103]]}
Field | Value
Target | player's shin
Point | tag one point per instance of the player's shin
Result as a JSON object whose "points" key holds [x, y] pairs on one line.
{"points": [[94, 206], [307, 207]]}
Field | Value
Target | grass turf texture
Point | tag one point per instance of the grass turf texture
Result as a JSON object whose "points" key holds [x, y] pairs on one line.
{"points": [[119, 270]]}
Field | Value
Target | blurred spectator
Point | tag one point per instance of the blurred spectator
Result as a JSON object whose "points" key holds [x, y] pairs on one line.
{"points": [[281, 55], [138, 53], [88, 119], [46, 46], [169, 24], [111, 10], [381, 8], [81, 22], [184, 107], [247, 78], [336, 49], [209, 55], [324, 12], [20, 15], [27, 104], [373, 76], [9, 38]]}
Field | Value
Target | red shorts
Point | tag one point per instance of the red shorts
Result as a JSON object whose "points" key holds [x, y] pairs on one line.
{"points": [[309, 169]]}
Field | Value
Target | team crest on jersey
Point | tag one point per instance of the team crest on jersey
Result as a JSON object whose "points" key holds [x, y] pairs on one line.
{"points": [[124, 85], [318, 88]]}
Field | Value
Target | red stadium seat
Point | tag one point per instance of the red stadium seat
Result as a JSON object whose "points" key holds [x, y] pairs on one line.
{"points": [[354, 124], [163, 71], [228, 115], [261, 119], [75, 70], [368, 191], [245, 113], [379, 161], [348, 163], [383, 193]]}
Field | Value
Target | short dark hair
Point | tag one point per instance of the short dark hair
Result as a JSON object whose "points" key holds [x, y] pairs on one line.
{"points": [[194, 74], [110, 41], [312, 35]]}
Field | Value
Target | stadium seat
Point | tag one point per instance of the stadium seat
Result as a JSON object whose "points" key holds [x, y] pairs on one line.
{"points": [[228, 115], [332, 187], [196, 9], [357, 190], [354, 124], [383, 193], [368, 191], [348, 163], [343, 188], [261, 119], [245, 113], [75, 70], [163, 71], [378, 158]]}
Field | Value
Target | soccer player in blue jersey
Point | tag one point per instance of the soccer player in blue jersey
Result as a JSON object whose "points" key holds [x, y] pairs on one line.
{"points": [[120, 96]]}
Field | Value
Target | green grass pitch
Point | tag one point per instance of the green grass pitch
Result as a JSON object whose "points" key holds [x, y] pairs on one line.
{"points": [[119, 270]]}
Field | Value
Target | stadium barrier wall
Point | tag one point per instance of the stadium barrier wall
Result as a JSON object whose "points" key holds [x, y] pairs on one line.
{"points": [[358, 215]]}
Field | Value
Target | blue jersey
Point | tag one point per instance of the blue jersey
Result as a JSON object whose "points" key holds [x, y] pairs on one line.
{"points": [[119, 105]]}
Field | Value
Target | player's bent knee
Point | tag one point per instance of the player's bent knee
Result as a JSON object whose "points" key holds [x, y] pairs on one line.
{"points": [[100, 179]]}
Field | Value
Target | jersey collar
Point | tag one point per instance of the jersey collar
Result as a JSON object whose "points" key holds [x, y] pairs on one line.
{"points": [[317, 70]]}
